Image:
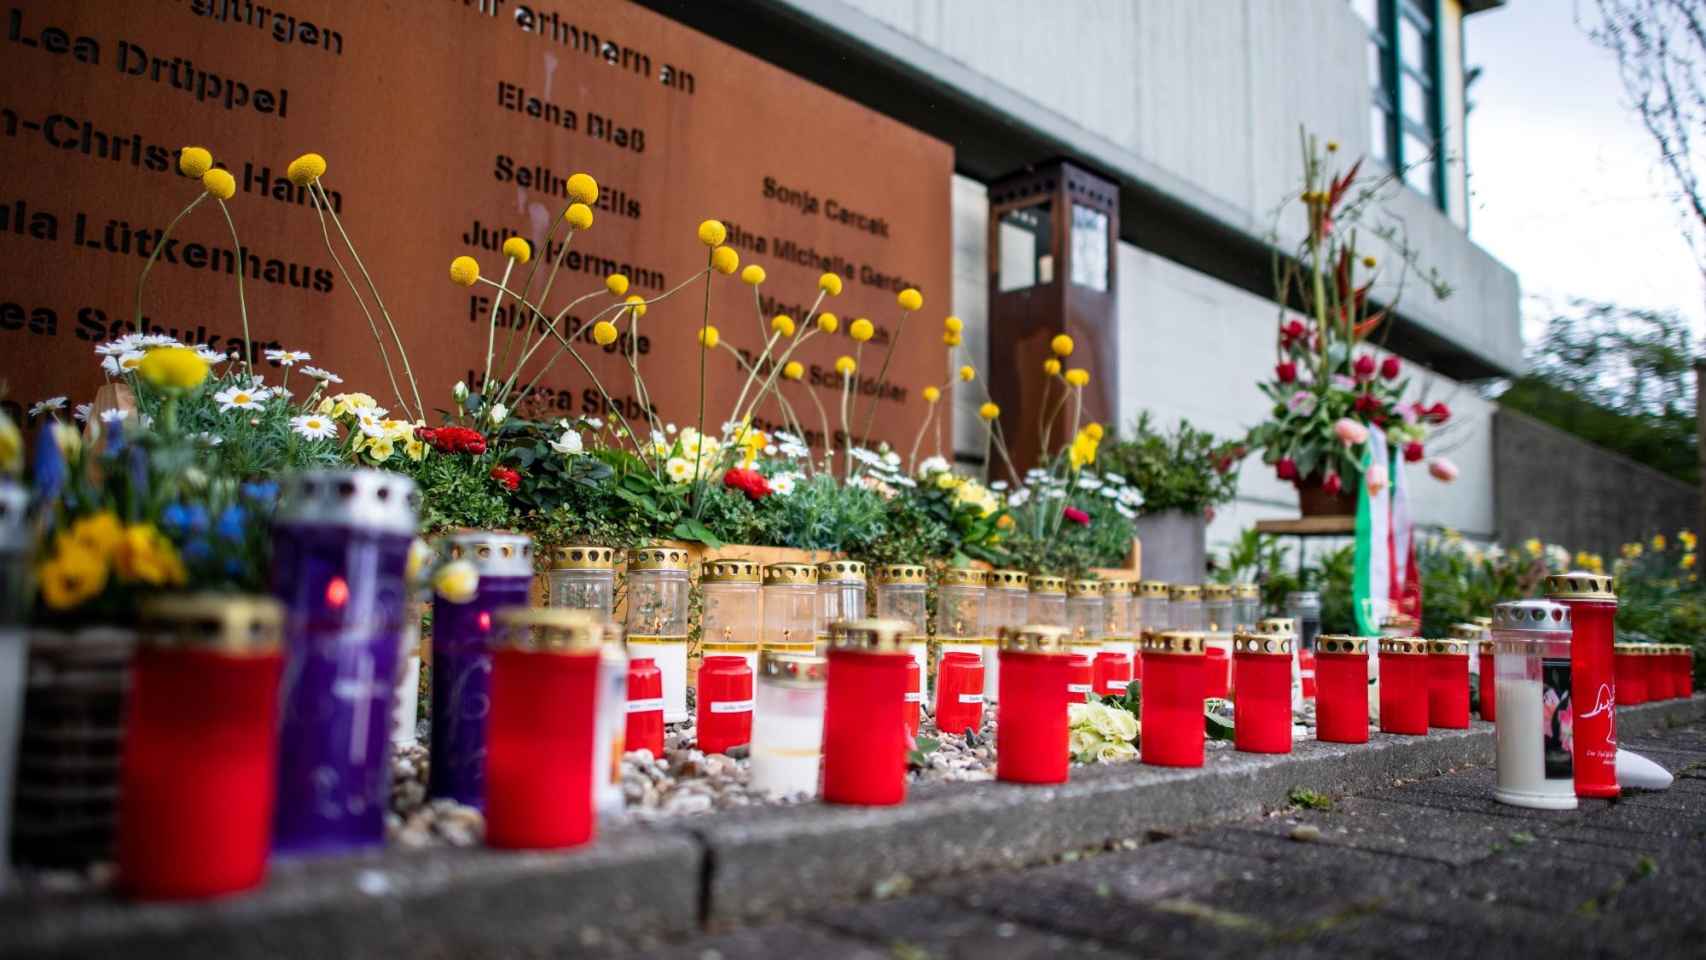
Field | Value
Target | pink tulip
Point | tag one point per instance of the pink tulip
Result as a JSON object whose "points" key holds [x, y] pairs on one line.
{"points": [[1442, 469], [1350, 431]]}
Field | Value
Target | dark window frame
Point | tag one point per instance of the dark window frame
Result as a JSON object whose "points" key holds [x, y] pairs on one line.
{"points": [[1388, 95]]}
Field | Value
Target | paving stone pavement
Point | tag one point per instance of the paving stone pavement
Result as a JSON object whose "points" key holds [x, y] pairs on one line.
{"points": [[1426, 868]]}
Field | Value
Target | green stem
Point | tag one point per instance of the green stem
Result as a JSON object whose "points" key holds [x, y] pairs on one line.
{"points": [[378, 301], [373, 325], [154, 254], [242, 304]]}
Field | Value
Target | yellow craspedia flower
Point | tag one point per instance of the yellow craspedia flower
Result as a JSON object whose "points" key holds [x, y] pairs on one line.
{"points": [[146, 556], [173, 368], [306, 169], [845, 366], [909, 299], [604, 333], [725, 260], [583, 188], [1094, 431], [953, 324], [617, 284], [464, 271], [753, 274], [932, 394], [861, 330], [782, 324], [219, 183], [989, 411], [712, 233], [636, 303], [1051, 367], [1061, 345], [830, 283], [518, 250], [951, 338], [1078, 376], [194, 161], [793, 370], [578, 216], [828, 322], [709, 338], [968, 373], [1369, 262]]}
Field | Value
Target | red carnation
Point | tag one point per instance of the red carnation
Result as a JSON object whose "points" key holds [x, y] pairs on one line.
{"points": [[1412, 452], [1364, 367], [1331, 485], [454, 440], [1389, 368], [1367, 403], [1286, 372], [1076, 516], [1439, 413], [509, 478], [1293, 331], [749, 482], [1286, 468]]}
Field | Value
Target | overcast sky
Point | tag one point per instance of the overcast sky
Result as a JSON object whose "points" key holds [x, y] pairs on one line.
{"points": [[1565, 186]]}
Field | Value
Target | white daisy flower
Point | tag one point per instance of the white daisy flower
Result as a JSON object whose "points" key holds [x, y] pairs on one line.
{"points": [[314, 426], [123, 363], [998, 485], [111, 348], [81, 412], [497, 413], [1115, 478], [319, 374], [906, 481], [211, 439], [370, 425], [669, 428], [1110, 493], [678, 469], [568, 443], [933, 465], [784, 437], [595, 423], [1126, 511], [239, 398], [891, 458], [159, 340], [770, 449], [112, 416], [288, 358], [1088, 482], [51, 404], [1019, 498], [782, 484], [209, 354]]}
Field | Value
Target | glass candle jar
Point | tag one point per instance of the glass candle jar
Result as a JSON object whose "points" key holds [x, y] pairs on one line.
{"points": [[15, 600], [1404, 695], [787, 724], [1009, 600], [1304, 608], [1592, 601], [962, 612], [1262, 712], [340, 555], [196, 794], [462, 658], [1154, 608], [1341, 684], [644, 729], [1119, 615], [1481, 665], [1629, 674], [1535, 765], [583, 577], [1217, 626], [1086, 616], [729, 609], [1217, 609], [540, 741], [1184, 608], [900, 596], [1448, 684], [724, 703], [1031, 731], [864, 722], [611, 727], [1287, 627], [1246, 606], [840, 593], [790, 607], [658, 594], [1048, 601], [959, 692], [1171, 711]]}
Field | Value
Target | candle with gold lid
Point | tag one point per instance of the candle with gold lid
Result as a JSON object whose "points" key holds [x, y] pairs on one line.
{"points": [[658, 598], [1404, 694], [1262, 709], [1086, 616], [1341, 684], [1032, 732], [962, 613], [1172, 705], [1048, 600], [1184, 608], [583, 577], [790, 607], [1008, 605], [1592, 600], [840, 594], [1448, 683], [787, 723], [864, 717], [729, 614], [901, 590]]}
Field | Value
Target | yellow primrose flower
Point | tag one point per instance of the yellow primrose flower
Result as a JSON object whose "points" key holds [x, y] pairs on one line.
{"points": [[712, 233], [932, 394], [708, 337], [1631, 550], [1061, 345], [414, 449], [953, 324], [173, 368], [1078, 376], [464, 271], [101, 534], [70, 578], [951, 338], [381, 448], [793, 370], [845, 366], [194, 161], [518, 250], [583, 188], [1533, 546], [828, 322], [456, 581], [578, 216], [617, 284], [830, 283], [783, 324], [753, 274], [948, 481], [306, 169], [861, 330], [1658, 541], [604, 333], [989, 411], [219, 183], [909, 299], [678, 469], [146, 556], [725, 260]]}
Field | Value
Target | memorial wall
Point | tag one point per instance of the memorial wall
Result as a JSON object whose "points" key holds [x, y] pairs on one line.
{"points": [[448, 126]]}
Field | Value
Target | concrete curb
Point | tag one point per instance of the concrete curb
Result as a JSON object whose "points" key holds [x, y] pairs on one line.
{"points": [[715, 871]]}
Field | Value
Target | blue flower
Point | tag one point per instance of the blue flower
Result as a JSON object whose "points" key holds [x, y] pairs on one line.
{"points": [[233, 567], [231, 523], [175, 518], [50, 468], [260, 491], [197, 551]]}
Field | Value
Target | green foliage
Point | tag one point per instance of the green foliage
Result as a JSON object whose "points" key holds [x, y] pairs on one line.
{"points": [[1307, 799], [1185, 469]]}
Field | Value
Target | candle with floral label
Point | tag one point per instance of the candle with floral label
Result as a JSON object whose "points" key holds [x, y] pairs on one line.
{"points": [[1171, 711], [1592, 602], [1448, 684], [1032, 732], [1262, 711], [1009, 598], [729, 609], [658, 595], [962, 613], [864, 723], [583, 577], [1532, 740], [1341, 685], [340, 554], [790, 608], [787, 724], [901, 589]]}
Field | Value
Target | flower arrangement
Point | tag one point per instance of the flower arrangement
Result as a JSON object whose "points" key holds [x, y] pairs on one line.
{"points": [[1328, 388], [1101, 731], [1185, 469]]}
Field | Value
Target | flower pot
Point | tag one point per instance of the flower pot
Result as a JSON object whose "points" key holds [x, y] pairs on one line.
{"points": [[1174, 546], [1315, 501]]}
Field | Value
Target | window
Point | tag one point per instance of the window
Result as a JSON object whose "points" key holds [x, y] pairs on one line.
{"points": [[1027, 259], [1404, 112], [1089, 248]]}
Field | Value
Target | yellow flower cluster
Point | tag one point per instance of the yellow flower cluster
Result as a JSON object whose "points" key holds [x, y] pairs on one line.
{"points": [[604, 333], [968, 491], [708, 337], [687, 449], [989, 411], [372, 434], [910, 299], [1591, 562], [1083, 450], [793, 370], [99, 547], [830, 283], [583, 188]]}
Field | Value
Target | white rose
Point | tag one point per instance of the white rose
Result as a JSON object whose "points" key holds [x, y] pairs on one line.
{"points": [[498, 413], [568, 443]]}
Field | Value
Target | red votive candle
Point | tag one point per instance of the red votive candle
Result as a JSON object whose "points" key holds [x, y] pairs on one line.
{"points": [[1629, 675], [1341, 689], [1307, 682], [914, 697], [1261, 712], [539, 735], [1688, 671], [1171, 711], [1671, 664], [200, 748], [724, 703], [1404, 686], [1031, 735], [1595, 678], [864, 714], [959, 692], [1082, 678], [1217, 671], [1448, 683], [1112, 674], [645, 707], [1489, 689]]}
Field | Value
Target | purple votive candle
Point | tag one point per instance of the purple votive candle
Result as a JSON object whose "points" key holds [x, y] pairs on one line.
{"points": [[462, 658], [340, 552]]}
